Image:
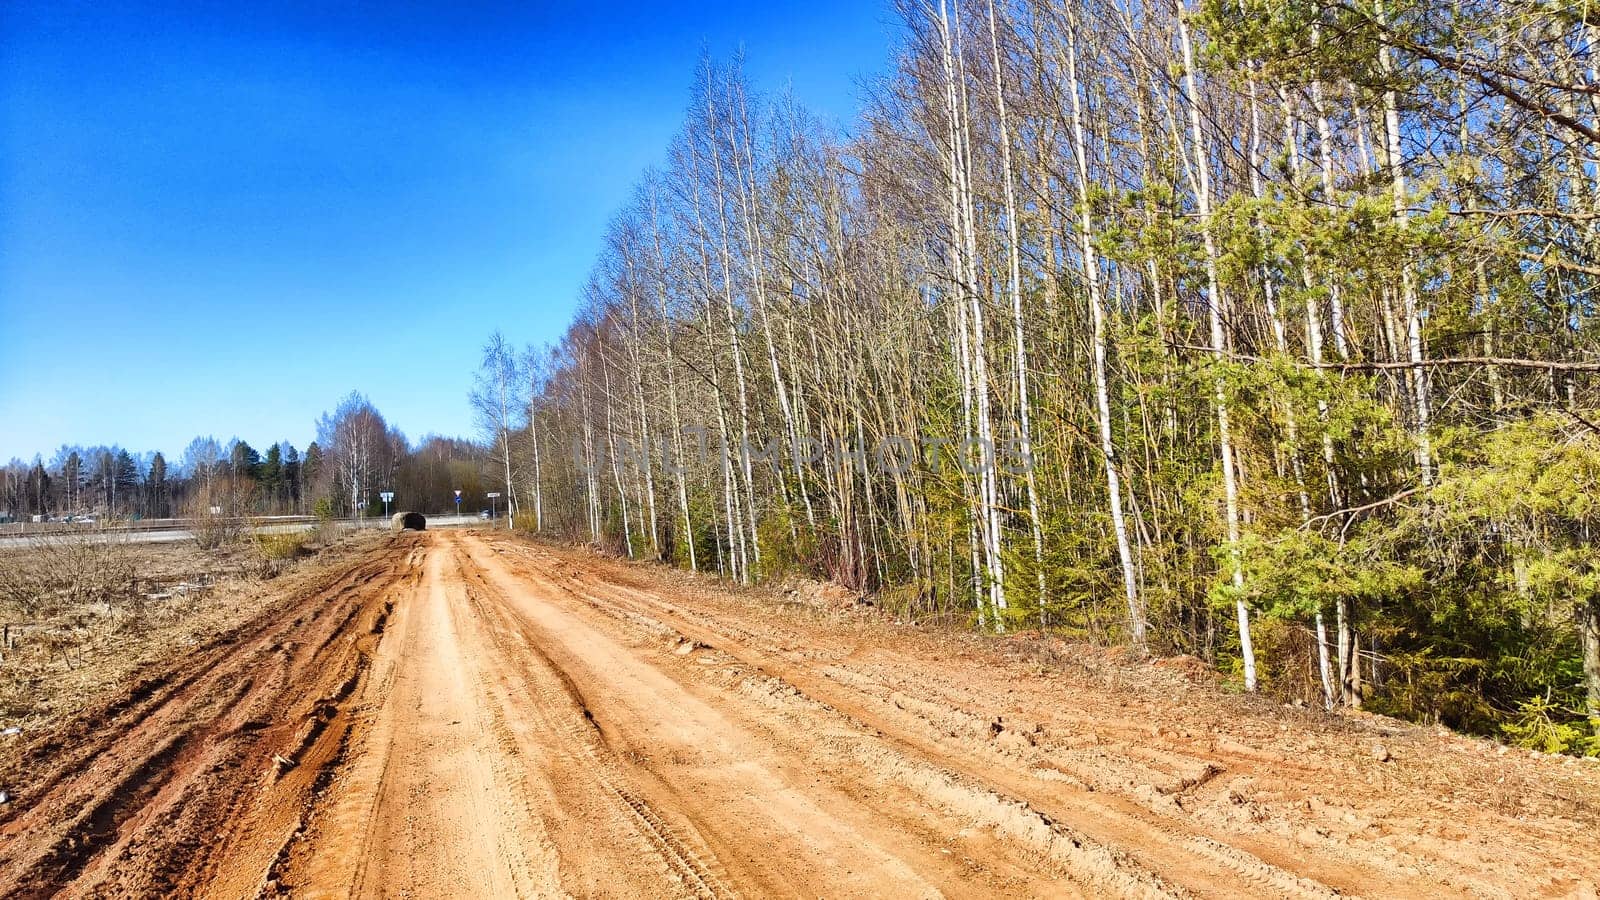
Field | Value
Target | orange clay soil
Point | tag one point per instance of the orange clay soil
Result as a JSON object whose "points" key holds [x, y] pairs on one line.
{"points": [[457, 714]]}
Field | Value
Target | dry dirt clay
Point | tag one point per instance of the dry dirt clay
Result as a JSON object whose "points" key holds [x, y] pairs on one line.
{"points": [[468, 714]]}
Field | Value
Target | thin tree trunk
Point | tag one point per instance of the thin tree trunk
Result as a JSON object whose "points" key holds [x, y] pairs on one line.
{"points": [[1230, 485], [1014, 282], [1589, 633], [1097, 319], [1410, 302]]}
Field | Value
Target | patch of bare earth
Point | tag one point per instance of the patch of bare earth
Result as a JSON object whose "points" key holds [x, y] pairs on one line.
{"points": [[452, 714], [1151, 761]]}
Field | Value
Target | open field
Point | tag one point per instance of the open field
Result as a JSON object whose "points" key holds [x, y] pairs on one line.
{"points": [[465, 712], [106, 607]]}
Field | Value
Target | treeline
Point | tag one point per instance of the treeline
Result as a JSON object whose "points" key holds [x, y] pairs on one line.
{"points": [[1289, 304], [355, 456]]}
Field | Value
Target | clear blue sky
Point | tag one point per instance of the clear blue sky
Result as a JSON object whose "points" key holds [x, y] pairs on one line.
{"points": [[221, 217]]}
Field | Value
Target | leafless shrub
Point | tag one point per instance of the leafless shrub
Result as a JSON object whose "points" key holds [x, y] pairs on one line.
{"points": [[213, 531], [328, 534], [60, 571], [216, 516]]}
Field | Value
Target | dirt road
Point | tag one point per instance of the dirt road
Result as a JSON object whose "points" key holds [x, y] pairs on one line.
{"points": [[469, 714]]}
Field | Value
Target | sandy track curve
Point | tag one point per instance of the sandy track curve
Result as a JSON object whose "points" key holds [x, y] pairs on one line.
{"points": [[470, 714]]}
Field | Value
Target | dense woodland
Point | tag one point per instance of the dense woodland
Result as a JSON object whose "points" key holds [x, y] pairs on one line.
{"points": [[356, 455], [1259, 331]]}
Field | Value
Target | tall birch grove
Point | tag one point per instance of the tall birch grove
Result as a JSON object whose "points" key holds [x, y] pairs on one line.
{"points": [[1255, 330]]}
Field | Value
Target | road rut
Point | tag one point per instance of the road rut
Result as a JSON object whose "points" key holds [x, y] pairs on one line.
{"points": [[473, 714]]}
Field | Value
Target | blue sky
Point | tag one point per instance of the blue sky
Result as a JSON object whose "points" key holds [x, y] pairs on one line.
{"points": [[219, 218]]}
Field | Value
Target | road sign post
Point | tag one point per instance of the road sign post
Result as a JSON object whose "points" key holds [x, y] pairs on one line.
{"points": [[494, 508], [387, 496], [458, 504]]}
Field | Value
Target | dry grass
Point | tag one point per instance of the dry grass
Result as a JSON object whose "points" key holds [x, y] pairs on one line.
{"points": [[276, 552], [76, 616]]}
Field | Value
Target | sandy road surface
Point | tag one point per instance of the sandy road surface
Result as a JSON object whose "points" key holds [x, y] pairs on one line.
{"points": [[468, 714]]}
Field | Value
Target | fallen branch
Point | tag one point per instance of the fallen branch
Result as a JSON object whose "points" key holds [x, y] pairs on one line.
{"points": [[1581, 420], [1354, 510]]}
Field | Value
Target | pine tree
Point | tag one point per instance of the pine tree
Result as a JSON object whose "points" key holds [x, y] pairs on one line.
{"points": [[155, 488], [293, 481], [272, 476]]}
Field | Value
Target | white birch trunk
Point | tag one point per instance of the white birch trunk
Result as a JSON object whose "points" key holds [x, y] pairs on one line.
{"points": [[1409, 300], [1097, 319], [1014, 258], [1230, 484]]}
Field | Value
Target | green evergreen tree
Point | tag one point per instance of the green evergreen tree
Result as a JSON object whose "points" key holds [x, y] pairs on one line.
{"points": [[272, 476], [155, 488]]}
